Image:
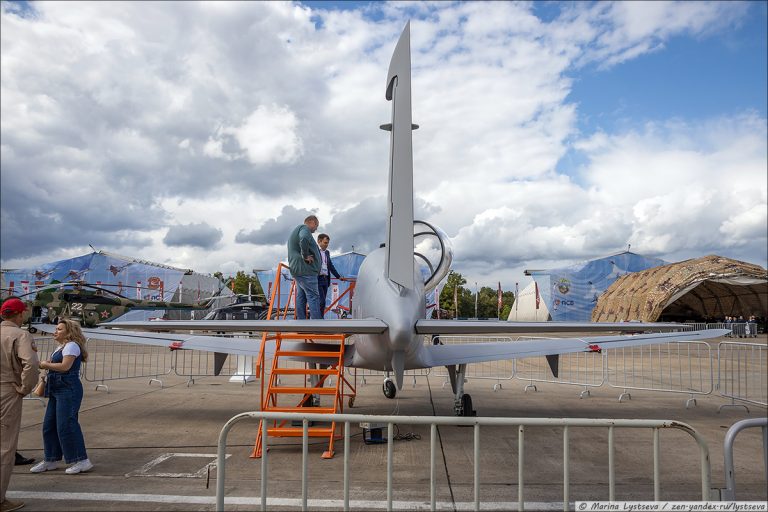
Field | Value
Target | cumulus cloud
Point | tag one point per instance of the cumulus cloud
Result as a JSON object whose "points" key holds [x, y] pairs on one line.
{"points": [[195, 235], [144, 125], [275, 231]]}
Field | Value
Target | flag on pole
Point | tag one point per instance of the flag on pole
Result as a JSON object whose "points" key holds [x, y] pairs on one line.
{"points": [[517, 296], [499, 302], [538, 298]]}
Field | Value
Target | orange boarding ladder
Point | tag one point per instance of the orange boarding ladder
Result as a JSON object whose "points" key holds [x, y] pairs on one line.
{"points": [[330, 355]]}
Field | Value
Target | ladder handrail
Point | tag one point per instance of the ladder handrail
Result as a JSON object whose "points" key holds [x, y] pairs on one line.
{"points": [[350, 290]]}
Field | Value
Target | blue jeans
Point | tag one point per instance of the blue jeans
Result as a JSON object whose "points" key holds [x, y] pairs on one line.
{"points": [[62, 435], [307, 292]]}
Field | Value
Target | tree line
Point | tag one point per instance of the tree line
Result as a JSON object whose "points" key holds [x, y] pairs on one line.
{"points": [[487, 300], [487, 297]]}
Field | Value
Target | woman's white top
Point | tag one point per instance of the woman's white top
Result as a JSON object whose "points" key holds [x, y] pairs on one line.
{"points": [[70, 349]]}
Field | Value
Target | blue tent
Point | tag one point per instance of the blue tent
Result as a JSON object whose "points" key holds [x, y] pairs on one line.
{"points": [[571, 293], [130, 277]]}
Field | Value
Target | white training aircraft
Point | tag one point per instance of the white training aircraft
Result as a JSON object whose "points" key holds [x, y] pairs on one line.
{"points": [[388, 324]]}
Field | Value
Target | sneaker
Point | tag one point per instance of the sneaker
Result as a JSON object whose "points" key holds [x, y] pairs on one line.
{"points": [[9, 505], [79, 467], [42, 467]]}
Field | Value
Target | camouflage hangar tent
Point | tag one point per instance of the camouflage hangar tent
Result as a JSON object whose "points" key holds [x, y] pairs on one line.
{"points": [[130, 277], [571, 293], [701, 289]]}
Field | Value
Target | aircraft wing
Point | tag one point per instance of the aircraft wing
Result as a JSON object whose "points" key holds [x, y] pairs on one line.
{"points": [[345, 326], [219, 344], [504, 327], [447, 355]]}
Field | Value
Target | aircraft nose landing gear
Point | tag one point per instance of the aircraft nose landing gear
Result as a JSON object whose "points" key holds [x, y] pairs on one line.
{"points": [[389, 388]]}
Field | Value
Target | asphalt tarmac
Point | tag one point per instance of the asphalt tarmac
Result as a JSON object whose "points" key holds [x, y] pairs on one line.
{"points": [[152, 446]]}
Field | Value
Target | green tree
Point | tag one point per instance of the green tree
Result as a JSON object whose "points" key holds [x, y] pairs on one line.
{"points": [[487, 300], [241, 281], [464, 297]]}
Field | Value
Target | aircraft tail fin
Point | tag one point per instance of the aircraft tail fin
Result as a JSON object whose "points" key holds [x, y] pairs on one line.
{"points": [[399, 245]]}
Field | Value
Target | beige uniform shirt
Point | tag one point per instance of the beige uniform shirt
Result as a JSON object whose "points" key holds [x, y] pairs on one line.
{"points": [[19, 365]]}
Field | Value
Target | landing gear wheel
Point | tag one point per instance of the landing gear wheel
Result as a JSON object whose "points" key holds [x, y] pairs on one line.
{"points": [[351, 401], [466, 406], [32, 330], [389, 389]]}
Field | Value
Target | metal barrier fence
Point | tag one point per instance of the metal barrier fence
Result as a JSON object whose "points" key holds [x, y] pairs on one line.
{"points": [[738, 330], [497, 371], [114, 360], [741, 373], [45, 347], [729, 493], [520, 424], [363, 374], [684, 367], [584, 369], [194, 364], [677, 367]]}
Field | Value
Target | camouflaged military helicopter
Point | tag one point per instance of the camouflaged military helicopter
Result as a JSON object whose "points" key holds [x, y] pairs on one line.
{"points": [[93, 304]]}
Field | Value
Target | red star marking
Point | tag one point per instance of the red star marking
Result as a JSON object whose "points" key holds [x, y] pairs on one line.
{"points": [[105, 314]]}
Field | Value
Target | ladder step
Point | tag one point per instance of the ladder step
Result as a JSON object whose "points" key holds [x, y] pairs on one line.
{"points": [[305, 371], [299, 431], [312, 410], [302, 391], [308, 353]]}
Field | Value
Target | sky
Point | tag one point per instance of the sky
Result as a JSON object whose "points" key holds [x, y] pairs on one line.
{"points": [[199, 134]]}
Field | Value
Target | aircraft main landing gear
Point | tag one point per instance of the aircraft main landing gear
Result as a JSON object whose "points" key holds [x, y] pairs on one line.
{"points": [[389, 388], [462, 402]]}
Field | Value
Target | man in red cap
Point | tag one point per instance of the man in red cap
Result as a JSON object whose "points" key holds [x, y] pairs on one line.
{"points": [[19, 371]]}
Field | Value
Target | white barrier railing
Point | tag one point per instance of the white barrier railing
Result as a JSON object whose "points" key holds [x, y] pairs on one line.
{"points": [[729, 493], [497, 371], [741, 373], [584, 369], [520, 424], [677, 367], [113, 360], [194, 364], [364, 374]]}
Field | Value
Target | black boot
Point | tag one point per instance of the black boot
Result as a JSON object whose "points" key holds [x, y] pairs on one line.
{"points": [[22, 460]]}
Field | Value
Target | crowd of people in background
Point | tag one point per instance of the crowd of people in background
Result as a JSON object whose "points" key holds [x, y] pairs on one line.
{"points": [[741, 327]]}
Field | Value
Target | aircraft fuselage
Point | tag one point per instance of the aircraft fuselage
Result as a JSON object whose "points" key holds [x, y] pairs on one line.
{"points": [[399, 307]]}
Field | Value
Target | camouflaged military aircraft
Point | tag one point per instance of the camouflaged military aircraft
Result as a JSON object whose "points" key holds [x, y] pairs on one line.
{"points": [[93, 304], [388, 316]]}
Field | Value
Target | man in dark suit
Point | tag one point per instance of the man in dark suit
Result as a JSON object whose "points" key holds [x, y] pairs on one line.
{"points": [[326, 268]]}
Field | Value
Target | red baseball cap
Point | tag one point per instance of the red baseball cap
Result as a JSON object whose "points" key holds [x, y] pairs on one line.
{"points": [[13, 306]]}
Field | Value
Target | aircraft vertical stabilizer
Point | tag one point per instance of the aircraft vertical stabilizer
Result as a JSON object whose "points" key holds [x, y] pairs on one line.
{"points": [[399, 261]]}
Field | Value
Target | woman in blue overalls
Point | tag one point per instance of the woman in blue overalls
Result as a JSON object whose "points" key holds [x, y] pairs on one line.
{"points": [[62, 435]]}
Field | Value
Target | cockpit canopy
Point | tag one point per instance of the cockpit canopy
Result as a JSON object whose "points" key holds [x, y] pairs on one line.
{"points": [[433, 251]]}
